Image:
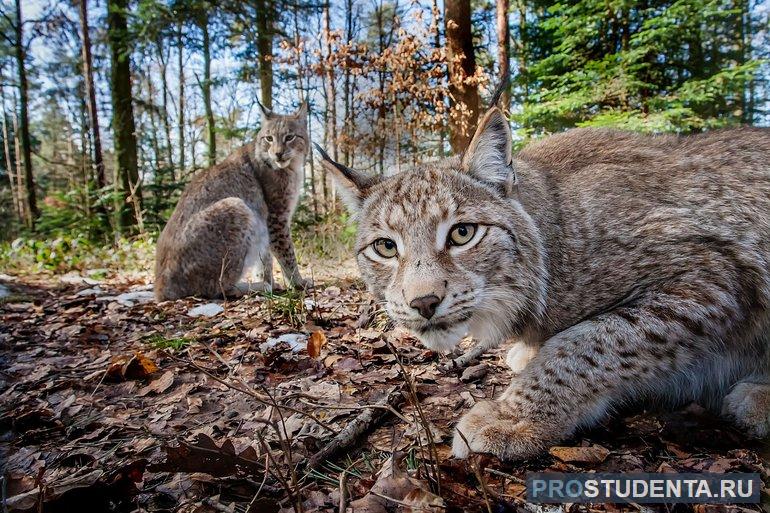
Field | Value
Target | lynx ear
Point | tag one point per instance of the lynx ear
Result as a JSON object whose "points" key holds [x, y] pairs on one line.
{"points": [[489, 156], [302, 110], [266, 113], [351, 184]]}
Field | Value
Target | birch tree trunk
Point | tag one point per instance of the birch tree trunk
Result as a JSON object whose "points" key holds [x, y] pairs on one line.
{"points": [[10, 165]]}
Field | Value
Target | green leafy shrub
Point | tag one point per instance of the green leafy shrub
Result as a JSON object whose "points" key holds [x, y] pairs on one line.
{"points": [[65, 254]]}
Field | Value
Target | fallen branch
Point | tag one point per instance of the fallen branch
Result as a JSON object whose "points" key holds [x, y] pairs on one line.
{"points": [[362, 424]]}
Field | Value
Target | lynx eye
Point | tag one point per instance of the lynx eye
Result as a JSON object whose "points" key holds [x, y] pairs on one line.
{"points": [[289, 137], [269, 138], [461, 234], [386, 248]]}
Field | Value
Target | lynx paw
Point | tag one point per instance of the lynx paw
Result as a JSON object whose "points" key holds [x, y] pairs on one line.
{"points": [[243, 288], [302, 283], [491, 427], [748, 404]]}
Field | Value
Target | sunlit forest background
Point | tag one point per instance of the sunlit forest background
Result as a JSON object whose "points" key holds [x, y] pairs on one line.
{"points": [[109, 107]]}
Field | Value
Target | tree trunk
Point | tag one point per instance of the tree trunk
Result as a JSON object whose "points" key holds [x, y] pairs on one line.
{"points": [[93, 114], [265, 33], [744, 45], [523, 49], [164, 96], [127, 170], [331, 95], [461, 66], [346, 84], [32, 211], [88, 77], [435, 23], [302, 92], [180, 117], [325, 114], [10, 165], [85, 162], [23, 205], [504, 49], [206, 90], [381, 85]]}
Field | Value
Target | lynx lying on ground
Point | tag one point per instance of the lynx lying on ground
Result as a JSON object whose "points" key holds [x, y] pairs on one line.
{"points": [[640, 267], [233, 215]]}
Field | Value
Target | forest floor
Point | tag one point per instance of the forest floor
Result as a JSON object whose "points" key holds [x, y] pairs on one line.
{"points": [[112, 402]]}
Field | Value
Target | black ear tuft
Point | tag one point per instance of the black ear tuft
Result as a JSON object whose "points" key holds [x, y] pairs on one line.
{"points": [[499, 90], [350, 183], [266, 113]]}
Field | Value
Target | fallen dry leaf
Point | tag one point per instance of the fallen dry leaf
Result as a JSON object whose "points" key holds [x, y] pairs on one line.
{"points": [[423, 500], [394, 487], [136, 366], [314, 344], [158, 385], [592, 454]]}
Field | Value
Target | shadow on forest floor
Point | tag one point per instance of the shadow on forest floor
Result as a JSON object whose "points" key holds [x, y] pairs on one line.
{"points": [[111, 402]]}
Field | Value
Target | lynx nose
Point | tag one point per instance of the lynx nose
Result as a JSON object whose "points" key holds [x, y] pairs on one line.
{"points": [[426, 305]]}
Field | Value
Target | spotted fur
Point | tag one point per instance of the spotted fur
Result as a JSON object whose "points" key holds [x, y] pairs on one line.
{"points": [[638, 267], [232, 216]]}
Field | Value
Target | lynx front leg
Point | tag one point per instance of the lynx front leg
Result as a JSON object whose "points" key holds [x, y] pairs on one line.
{"points": [[257, 273], [581, 372], [283, 249]]}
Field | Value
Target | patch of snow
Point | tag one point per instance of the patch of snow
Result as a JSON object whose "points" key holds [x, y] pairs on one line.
{"points": [[297, 342], [149, 287], [93, 291], [207, 310], [131, 298], [76, 279]]}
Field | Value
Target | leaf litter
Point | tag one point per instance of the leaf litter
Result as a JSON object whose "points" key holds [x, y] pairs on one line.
{"points": [[109, 402]]}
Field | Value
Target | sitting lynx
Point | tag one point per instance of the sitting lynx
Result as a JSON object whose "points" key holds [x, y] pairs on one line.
{"points": [[639, 266], [233, 215]]}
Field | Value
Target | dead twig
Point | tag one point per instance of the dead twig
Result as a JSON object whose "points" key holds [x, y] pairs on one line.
{"points": [[285, 442], [478, 473], [385, 407], [362, 424], [215, 505], [506, 475], [344, 486], [411, 507], [412, 389]]}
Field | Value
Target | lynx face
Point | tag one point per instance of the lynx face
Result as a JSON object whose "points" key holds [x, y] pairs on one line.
{"points": [[446, 247], [281, 138]]}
